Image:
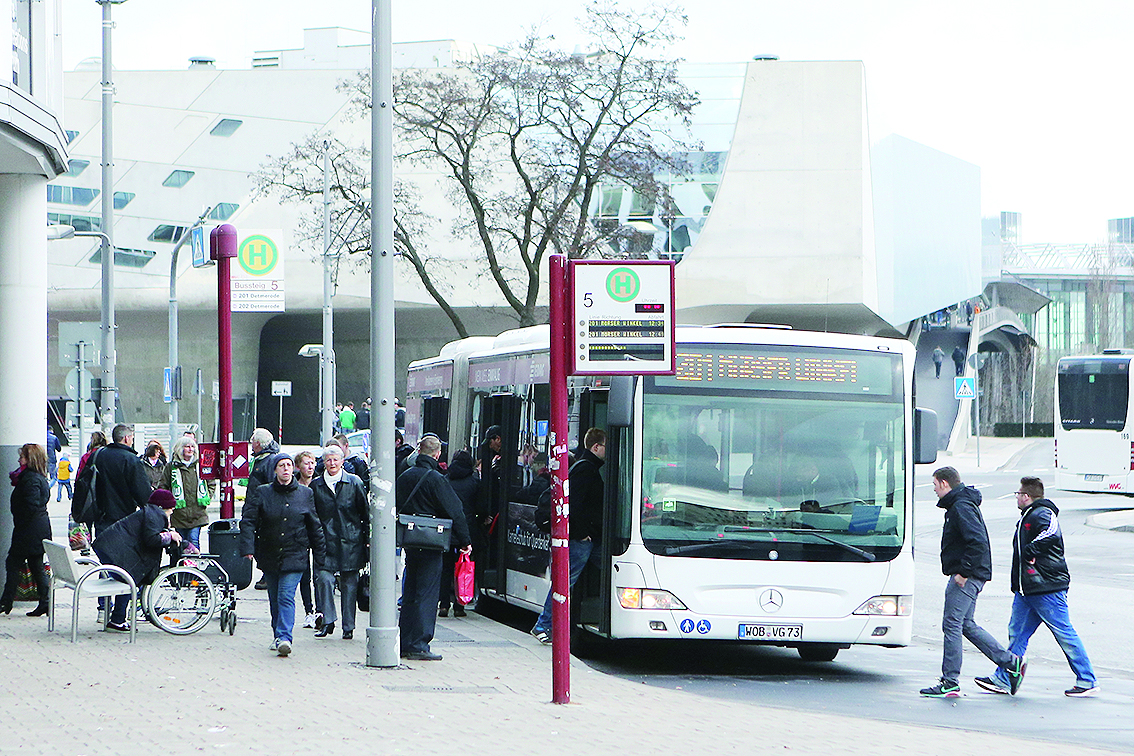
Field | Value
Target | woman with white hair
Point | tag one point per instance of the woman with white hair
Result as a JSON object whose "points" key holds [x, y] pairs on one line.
{"points": [[182, 478]]}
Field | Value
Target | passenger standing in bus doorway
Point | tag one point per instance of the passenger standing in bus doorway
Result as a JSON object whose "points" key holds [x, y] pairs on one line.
{"points": [[967, 559], [586, 491], [938, 358], [1040, 579]]}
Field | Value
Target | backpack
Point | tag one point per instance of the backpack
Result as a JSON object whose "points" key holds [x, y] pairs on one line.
{"points": [[84, 505], [543, 506]]}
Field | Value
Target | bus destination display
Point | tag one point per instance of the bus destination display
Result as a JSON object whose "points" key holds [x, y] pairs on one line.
{"points": [[781, 369]]}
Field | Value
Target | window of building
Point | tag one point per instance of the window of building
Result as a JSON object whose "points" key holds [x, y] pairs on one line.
{"points": [[75, 167], [223, 210], [178, 179], [71, 195], [226, 127], [78, 222], [122, 199], [71, 135], [125, 258], [167, 233]]}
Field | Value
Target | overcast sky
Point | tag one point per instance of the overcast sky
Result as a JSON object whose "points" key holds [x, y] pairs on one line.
{"points": [[1031, 91]]}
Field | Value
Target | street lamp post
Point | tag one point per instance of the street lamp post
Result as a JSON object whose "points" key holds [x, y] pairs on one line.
{"points": [[326, 386], [327, 358], [109, 356], [173, 356]]}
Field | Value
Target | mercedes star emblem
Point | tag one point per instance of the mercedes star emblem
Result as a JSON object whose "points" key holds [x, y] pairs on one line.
{"points": [[771, 600]]}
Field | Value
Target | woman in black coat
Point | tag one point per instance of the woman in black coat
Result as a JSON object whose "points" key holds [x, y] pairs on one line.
{"points": [[30, 526], [279, 526], [135, 543]]}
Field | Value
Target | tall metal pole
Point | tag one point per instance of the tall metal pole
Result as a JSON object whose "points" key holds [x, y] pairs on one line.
{"points": [[222, 244], [173, 357], [560, 551], [382, 635], [327, 357], [109, 356]]}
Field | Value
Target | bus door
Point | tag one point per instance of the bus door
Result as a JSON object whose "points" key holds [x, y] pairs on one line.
{"points": [[591, 596], [435, 419], [498, 477]]}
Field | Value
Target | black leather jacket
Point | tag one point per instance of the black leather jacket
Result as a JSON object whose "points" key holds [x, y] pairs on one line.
{"points": [[1039, 539]]}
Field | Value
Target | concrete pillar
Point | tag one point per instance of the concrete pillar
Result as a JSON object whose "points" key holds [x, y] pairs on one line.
{"points": [[23, 328]]}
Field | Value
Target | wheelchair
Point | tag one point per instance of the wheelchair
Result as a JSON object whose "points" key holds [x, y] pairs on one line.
{"points": [[184, 596]]}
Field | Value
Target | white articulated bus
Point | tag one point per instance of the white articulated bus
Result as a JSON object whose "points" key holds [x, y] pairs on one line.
{"points": [[762, 494], [1094, 452]]}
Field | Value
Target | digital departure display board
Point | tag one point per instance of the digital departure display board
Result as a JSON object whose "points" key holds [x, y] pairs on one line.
{"points": [[779, 368]]}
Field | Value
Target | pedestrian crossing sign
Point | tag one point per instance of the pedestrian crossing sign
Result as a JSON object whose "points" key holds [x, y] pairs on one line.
{"points": [[964, 388]]}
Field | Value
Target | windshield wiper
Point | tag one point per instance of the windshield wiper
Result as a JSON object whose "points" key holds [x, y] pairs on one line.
{"points": [[704, 546], [852, 549]]}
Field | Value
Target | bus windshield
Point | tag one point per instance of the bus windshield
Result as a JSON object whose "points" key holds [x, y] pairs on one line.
{"points": [[1094, 393], [736, 472]]}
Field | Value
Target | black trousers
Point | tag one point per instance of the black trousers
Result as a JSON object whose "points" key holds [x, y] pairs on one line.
{"points": [[14, 565], [420, 589]]}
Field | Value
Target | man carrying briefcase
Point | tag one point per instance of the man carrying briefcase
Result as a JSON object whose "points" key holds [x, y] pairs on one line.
{"points": [[423, 490]]}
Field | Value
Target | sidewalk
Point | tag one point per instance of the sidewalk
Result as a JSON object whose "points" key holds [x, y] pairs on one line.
{"points": [[208, 691]]}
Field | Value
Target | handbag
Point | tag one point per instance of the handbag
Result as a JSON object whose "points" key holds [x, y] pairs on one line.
{"points": [[423, 531], [463, 575], [26, 589]]}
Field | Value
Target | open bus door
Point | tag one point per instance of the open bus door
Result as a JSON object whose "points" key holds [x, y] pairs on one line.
{"points": [[498, 480], [435, 419], [591, 597]]}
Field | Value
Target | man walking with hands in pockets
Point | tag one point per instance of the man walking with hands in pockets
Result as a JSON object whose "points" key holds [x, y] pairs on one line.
{"points": [[967, 559]]}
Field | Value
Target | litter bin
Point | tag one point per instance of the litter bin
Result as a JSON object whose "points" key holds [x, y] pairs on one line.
{"points": [[224, 541]]}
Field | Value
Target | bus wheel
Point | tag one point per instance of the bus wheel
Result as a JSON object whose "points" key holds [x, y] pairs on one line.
{"points": [[818, 652]]}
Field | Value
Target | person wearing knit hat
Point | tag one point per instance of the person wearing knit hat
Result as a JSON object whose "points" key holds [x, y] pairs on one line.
{"points": [[135, 543], [279, 527]]}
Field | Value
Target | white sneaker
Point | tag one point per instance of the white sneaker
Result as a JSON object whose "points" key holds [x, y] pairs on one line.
{"points": [[275, 645], [284, 648], [309, 620]]}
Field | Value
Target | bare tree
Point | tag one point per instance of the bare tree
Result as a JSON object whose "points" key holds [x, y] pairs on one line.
{"points": [[298, 177], [525, 138]]}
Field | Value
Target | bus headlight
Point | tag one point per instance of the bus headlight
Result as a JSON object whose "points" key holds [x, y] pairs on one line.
{"points": [[891, 606], [646, 598]]}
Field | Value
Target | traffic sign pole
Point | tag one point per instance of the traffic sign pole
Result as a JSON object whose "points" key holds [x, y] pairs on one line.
{"points": [[560, 492], [222, 248]]}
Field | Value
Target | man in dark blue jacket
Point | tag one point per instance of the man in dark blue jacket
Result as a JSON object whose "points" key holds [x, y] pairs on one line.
{"points": [[967, 560], [423, 490], [1040, 579]]}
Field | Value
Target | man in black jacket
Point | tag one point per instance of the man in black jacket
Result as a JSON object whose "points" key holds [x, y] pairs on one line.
{"points": [[1040, 579], [423, 490], [586, 490], [122, 487], [967, 560]]}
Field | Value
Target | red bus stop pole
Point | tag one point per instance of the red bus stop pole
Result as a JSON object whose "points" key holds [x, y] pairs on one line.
{"points": [[222, 248], [560, 491]]}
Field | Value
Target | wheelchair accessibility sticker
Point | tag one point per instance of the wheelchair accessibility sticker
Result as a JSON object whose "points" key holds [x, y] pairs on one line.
{"points": [[701, 626]]}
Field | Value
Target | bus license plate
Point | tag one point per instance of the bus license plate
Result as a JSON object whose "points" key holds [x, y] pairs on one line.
{"points": [[770, 632], [1092, 477]]}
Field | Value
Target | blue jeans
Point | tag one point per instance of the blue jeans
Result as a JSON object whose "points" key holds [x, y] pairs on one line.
{"points": [[281, 601], [1050, 609], [192, 535], [960, 605], [59, 491], [580, 554]]}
